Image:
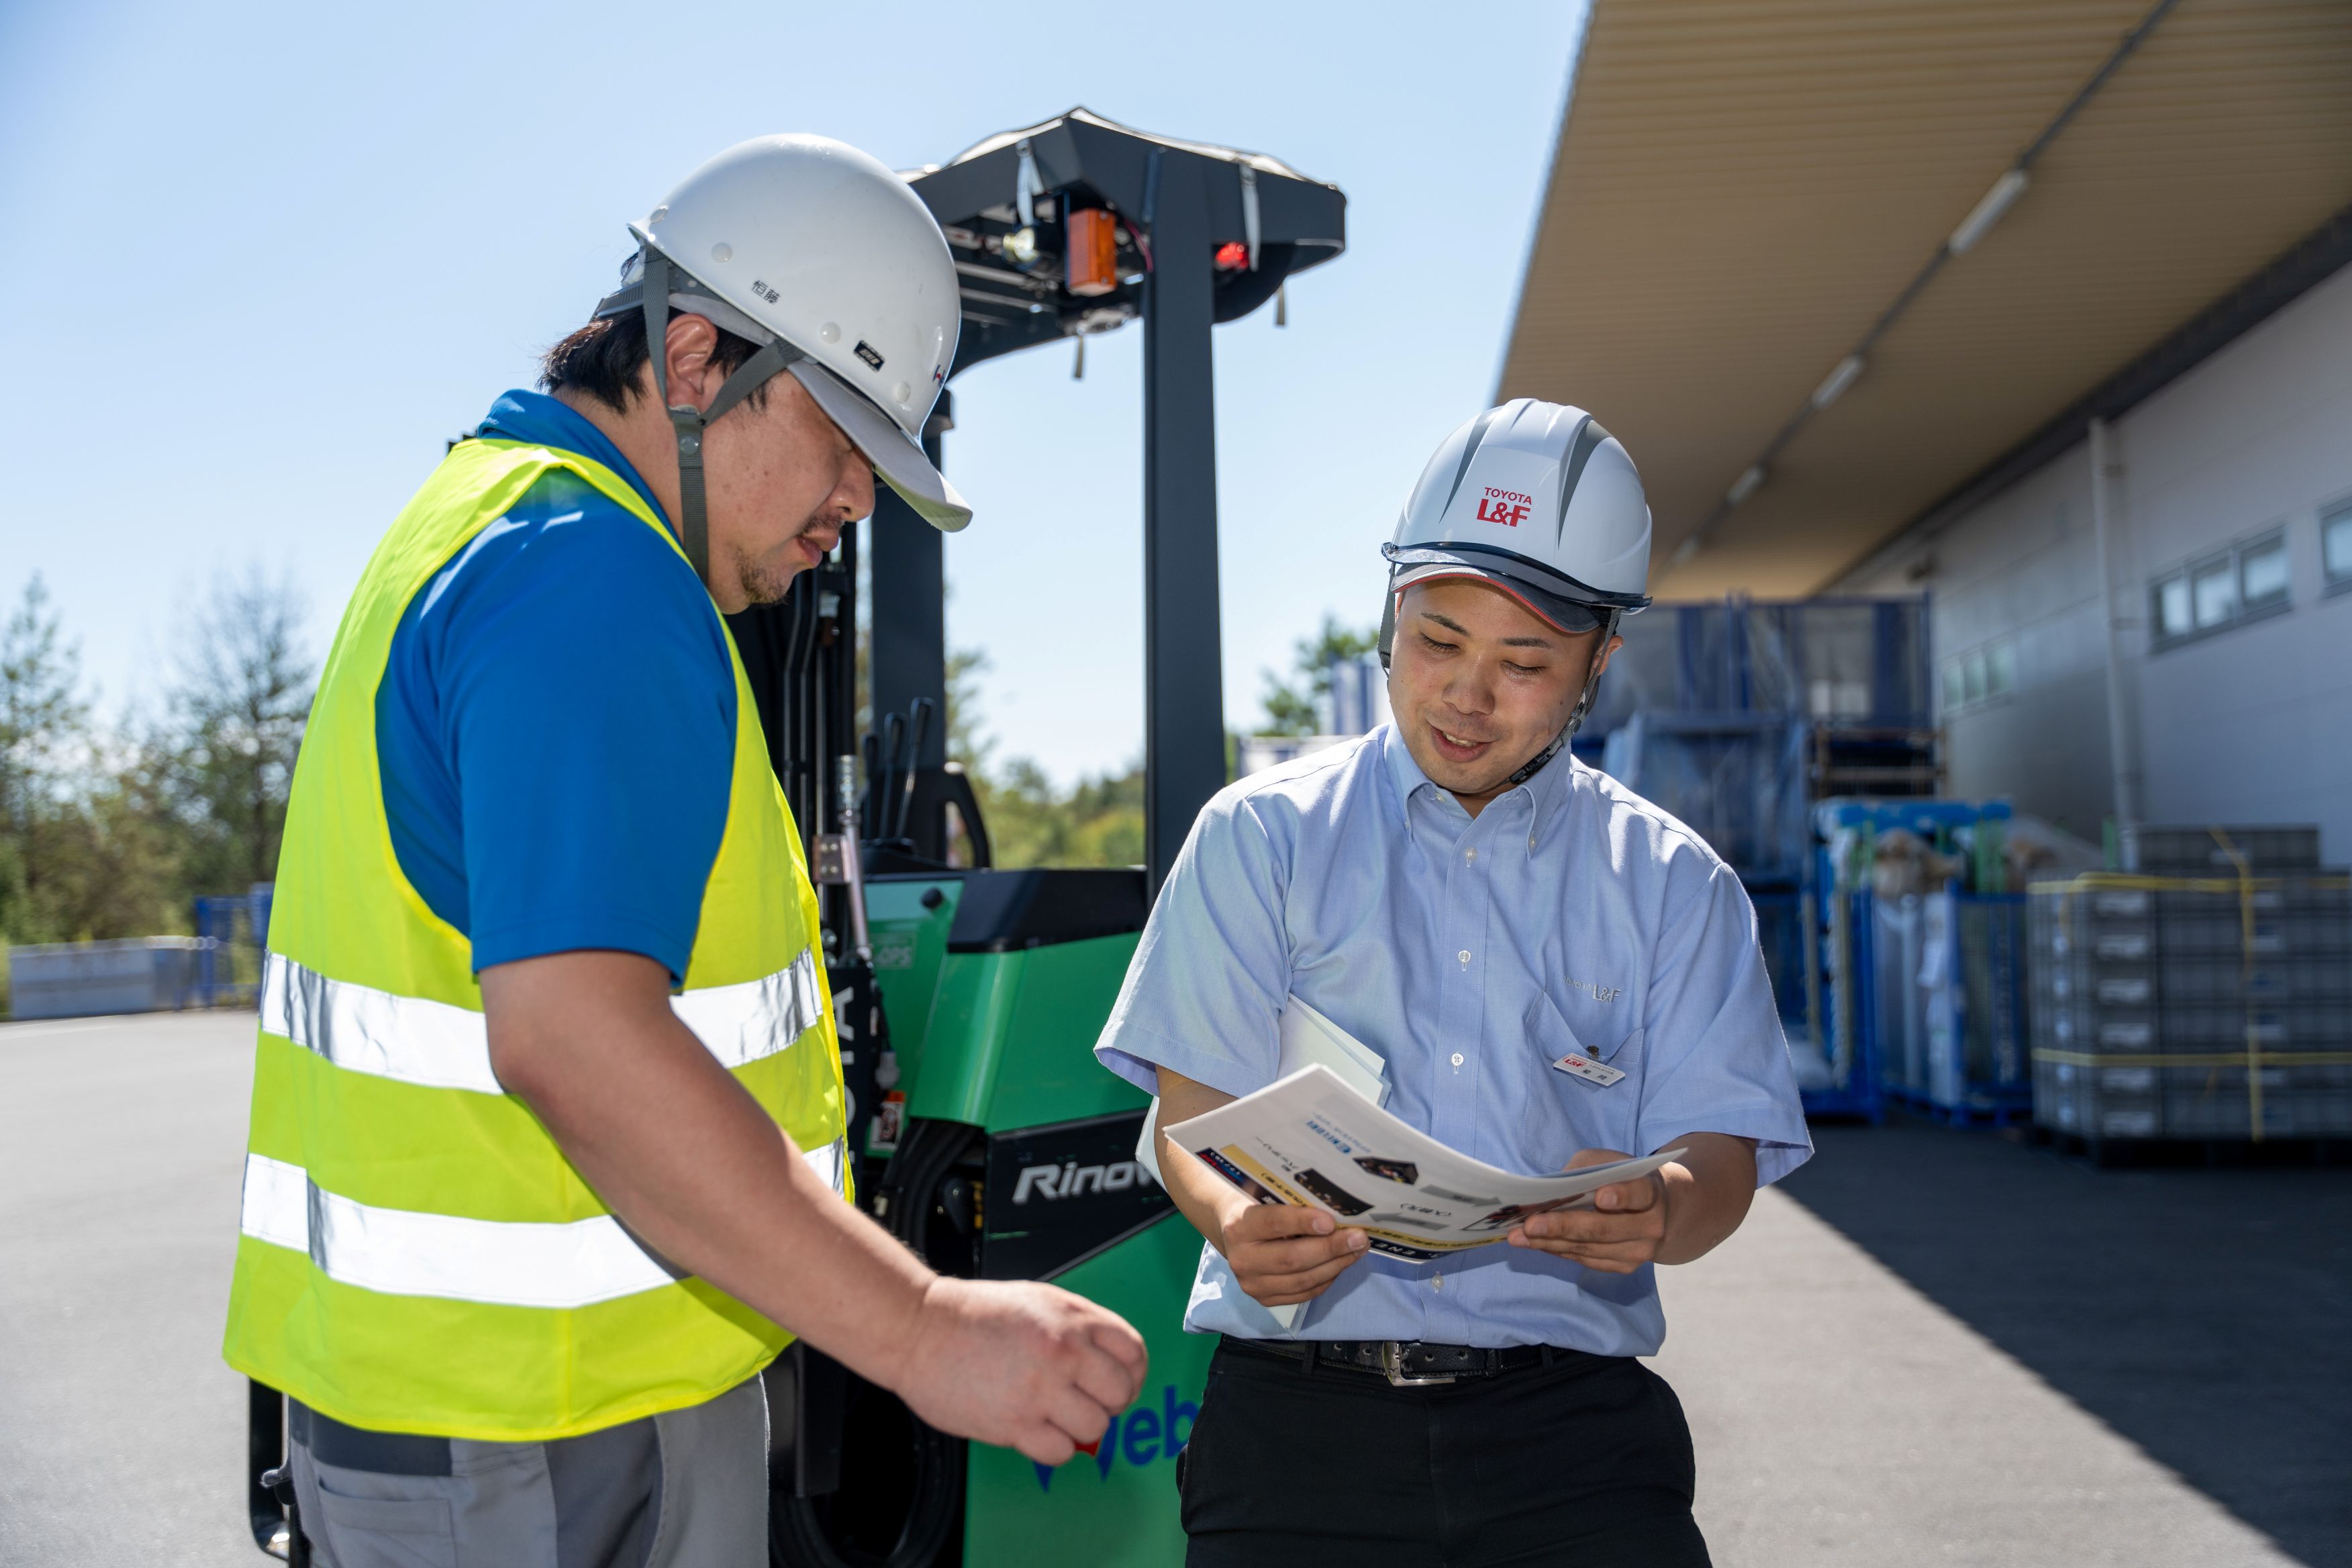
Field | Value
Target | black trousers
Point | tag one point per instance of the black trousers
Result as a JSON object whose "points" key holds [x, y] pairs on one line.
{"points": [[1583, 1464]]}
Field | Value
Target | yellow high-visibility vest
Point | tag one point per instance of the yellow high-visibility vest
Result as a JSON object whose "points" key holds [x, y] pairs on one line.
{"points": [[416, 1254]]}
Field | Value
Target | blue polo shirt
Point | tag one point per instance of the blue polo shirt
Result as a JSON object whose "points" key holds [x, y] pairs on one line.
{"points": [[1570, 915], [556, 727]]}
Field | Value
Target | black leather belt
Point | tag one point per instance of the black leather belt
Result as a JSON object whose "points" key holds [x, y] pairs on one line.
{"points": [[1409, 1364], [357, 1449]]}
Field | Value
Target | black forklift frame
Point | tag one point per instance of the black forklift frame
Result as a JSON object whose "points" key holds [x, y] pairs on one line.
{"points": [[1177, 204]]}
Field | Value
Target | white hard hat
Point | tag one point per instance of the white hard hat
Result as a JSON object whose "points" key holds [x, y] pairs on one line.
{"points": [[1538, 499], [822, 256]]}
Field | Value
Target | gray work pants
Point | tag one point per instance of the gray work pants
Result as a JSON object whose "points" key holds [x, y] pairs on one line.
{"points": [[688, 1489]]}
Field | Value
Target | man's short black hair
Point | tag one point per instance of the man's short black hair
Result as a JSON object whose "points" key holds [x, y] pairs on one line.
{"points": [[603, 359]]}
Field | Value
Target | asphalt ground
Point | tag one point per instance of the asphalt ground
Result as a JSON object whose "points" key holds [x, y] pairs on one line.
{"points": [[122, 1154], [1936, 1346], [1927, 1346]]}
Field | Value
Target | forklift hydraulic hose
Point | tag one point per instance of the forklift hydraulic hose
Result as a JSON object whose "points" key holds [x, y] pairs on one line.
{"points": [[925, 1153], [798, 1525], [798, 1536]]}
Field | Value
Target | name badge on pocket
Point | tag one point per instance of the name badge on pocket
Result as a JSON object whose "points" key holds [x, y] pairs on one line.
{"points": [[1588, 1069]]}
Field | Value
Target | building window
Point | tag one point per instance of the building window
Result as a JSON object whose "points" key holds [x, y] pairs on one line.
{"points": [[2244, 582], [1980, 675], [2172, 617], [2336, 544], [2262, 574], [2214, 586]]}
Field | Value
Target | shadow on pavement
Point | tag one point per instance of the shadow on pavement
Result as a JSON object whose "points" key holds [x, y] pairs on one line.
{"points": [[2205, 1314]]}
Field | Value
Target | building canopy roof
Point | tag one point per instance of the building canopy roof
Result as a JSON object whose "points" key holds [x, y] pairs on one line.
{"points": [[1742, 187]]}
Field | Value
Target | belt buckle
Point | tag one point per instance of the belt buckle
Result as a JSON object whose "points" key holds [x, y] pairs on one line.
{"points": [[1391, 1357]]}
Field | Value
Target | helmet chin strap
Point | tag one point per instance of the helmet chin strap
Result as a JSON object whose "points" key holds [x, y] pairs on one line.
{"points": [[1575, 719], [692, 526]]}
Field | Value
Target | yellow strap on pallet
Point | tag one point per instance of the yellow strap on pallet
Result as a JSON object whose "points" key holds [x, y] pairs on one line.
{"points": [[2132, 881], [2203, 1059], [2245, 885], [2246, 984]]}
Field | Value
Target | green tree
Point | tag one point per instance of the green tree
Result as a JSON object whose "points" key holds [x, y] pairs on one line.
{"points": [[82, 851], [42, 730], [115, 864], [1297, 706], [969, 745], [1096, 821], [234, 723]]}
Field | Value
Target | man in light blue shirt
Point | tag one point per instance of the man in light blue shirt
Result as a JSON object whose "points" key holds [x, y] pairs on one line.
{"points": [[1555, 974]]}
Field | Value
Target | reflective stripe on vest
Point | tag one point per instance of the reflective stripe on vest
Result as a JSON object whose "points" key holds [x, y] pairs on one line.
{"points": [[401, 1252], [438, 1046]]}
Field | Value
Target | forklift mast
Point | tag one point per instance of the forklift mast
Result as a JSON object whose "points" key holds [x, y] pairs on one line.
{"points": [[1196, 236]]}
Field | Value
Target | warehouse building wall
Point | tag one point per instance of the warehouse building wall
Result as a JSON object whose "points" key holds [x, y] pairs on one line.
{"points": [[2234, 476]]}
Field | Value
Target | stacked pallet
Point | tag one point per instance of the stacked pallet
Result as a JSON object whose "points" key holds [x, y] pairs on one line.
{"points": [[2208, 994]]}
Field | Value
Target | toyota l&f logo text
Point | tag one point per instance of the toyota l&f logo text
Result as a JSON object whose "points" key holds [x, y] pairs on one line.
{"points": [[1509, 508]]}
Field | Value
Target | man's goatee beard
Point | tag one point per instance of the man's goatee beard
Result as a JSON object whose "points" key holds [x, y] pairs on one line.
{"points": [[763, 585]]}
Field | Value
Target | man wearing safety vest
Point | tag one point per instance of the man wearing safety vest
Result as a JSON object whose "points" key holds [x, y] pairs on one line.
{"points": [[547, 1147]]}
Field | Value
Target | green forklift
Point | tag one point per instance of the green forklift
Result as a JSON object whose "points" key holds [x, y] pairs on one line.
{"points": [[969, 998]]}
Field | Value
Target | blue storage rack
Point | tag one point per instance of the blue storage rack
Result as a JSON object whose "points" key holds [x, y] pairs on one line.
{"points": [[1989, 1079], [1737, 716]]}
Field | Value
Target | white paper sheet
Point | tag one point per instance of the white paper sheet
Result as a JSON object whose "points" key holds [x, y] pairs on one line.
{"points": [[1311, 1140]]}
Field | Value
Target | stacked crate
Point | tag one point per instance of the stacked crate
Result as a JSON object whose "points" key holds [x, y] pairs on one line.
{"points": [[2206, 996]]}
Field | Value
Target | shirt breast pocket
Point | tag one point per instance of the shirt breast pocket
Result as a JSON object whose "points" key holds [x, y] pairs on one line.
{"points": [[1564, 1111]]}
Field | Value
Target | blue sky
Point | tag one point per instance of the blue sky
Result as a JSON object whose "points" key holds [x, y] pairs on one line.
{"points": [[268, 258]]}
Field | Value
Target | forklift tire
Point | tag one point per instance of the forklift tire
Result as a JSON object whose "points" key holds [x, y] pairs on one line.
{"points": [[900, 1502], [824, 1532]]}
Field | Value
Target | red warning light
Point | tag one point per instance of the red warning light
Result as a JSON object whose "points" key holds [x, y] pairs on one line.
{"points": [[1232, 255]]}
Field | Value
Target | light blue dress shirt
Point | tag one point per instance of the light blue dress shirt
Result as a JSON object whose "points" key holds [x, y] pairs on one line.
{"points": [[1569, 915]]}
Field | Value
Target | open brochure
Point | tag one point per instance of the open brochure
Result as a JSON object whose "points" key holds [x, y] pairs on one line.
{"points": [[1310, 1139], [1307, 1036]]}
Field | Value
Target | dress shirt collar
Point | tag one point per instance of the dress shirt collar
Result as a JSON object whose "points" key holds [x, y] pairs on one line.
{"points": [[1541, 794]]}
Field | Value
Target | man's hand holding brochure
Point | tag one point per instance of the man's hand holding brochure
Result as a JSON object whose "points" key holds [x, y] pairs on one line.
{"points": [[1310, 1140]]}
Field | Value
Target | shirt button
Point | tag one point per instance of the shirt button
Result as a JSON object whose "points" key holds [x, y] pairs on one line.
{"points": [[1458, 1058], [1469, 853], [1464, 955]]}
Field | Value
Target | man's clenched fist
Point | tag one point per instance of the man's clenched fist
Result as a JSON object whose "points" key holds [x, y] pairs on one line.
{"points": [[1019, 1364]]}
